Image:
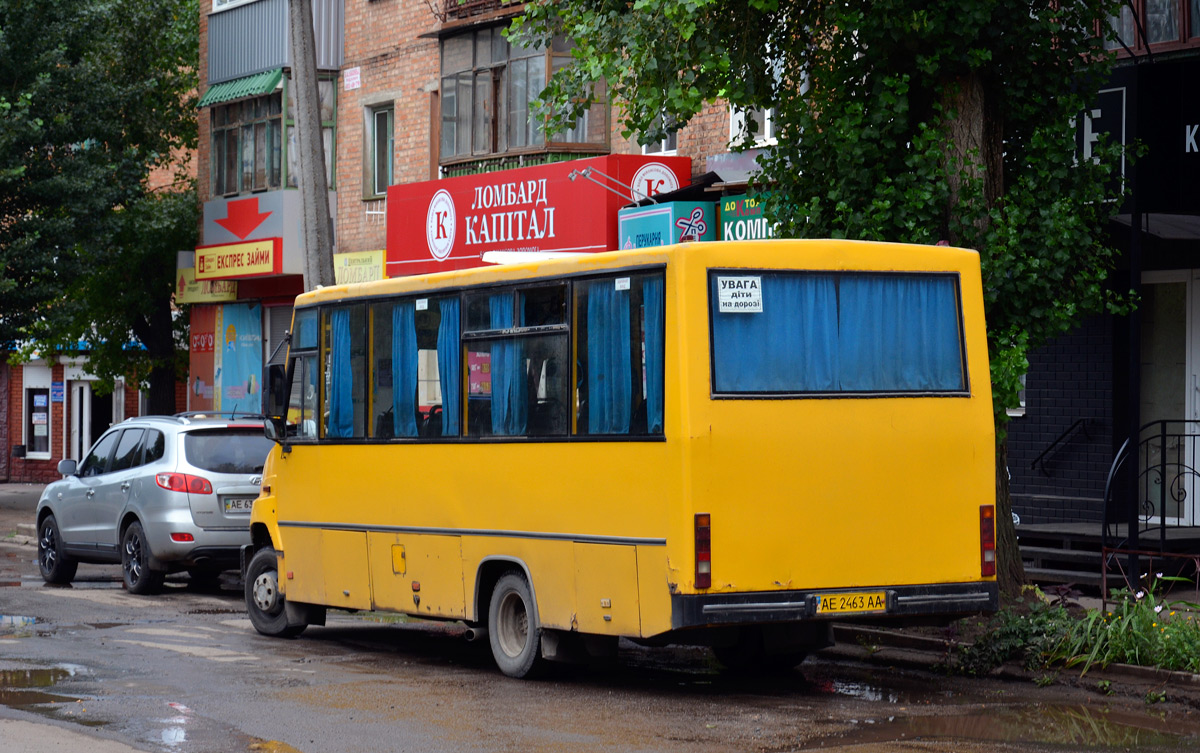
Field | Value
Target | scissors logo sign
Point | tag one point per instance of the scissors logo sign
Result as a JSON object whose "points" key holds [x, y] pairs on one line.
{"points": [[692, 227]]}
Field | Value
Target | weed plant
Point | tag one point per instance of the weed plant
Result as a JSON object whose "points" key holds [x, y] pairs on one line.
{"points": [[1141, 627]]}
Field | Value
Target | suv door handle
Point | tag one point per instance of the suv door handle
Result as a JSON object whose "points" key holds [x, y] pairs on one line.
{"points": [[125, 486]]}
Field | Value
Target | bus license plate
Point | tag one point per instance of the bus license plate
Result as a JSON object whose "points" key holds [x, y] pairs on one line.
{"points": [[850, 603], [238, 505]]}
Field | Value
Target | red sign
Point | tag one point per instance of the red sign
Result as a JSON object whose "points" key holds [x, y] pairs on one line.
{"points": [[243, 217], [447, 224], [236, 260]]}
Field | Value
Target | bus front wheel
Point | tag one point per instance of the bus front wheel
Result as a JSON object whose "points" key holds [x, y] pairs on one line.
{"points": [[512, 627], [264, 602]]}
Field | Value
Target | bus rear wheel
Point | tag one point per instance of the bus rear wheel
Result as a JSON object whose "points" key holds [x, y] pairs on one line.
{"points": [[264, 602], [513, 632]]}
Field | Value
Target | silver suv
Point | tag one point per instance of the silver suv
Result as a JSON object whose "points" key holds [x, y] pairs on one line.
{"points": [[158, 494]]}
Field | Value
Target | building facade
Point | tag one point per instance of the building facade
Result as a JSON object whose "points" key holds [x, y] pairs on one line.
{"points": [[1087, 392], [418, 101]]}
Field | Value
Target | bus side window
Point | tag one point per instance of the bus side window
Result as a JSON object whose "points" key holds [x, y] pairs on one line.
{"points": [[619, 350], [302, 403], [344, 352], [415, 356]]}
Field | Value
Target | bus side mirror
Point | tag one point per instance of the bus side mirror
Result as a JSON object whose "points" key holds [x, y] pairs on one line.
{"points": [[275, 428], [275, 393]]}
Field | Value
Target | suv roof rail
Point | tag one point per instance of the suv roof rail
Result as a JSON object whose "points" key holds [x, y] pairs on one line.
{"points": [[219, 414]]}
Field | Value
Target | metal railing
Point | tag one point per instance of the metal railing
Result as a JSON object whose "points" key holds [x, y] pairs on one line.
{"points": [[1167, 486], [1058, 444]]}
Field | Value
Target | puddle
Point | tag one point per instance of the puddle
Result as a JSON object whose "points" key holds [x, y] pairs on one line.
{"points": [[860, 690], [1080, 726], [271, 746], [22, 688], [16, 625]]}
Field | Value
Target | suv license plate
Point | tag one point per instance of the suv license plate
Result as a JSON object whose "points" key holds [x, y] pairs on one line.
{"points": [[238, 505], [851, 603]]}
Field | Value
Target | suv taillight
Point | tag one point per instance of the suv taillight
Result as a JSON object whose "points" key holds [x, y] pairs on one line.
{"points": [[703, 550], [987, 540], [182, 482]]}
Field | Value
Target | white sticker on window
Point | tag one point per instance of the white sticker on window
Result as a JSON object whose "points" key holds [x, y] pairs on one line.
{"points": [[422, 304], [622, 283], [739, 295]]}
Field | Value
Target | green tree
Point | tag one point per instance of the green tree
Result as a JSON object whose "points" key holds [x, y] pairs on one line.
{"points": [[897, 120], [94, 96]]}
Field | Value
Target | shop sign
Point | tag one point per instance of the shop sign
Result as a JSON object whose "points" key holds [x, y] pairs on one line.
{"points": [[664, 224], [233, 260], [448, 224], [359, 266], [57, 392], [1148, 105], [742, 219], [190, 290]]}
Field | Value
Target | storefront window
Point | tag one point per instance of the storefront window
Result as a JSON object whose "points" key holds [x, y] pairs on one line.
{"points": [[37, 420]]}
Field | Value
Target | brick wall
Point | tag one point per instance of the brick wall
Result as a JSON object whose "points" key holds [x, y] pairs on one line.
{"points": [[396, 66], [1069, 379]]}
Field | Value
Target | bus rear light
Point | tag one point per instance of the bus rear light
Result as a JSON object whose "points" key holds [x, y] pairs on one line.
{"points": [[987, 540], [703, 550], [182, 482]]}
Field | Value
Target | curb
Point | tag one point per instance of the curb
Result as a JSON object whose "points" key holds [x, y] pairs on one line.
{"points": [[922, 651]]}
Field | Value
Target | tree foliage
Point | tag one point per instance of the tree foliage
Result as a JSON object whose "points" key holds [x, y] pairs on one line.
{"points": [[897, 120], [94, 96]]}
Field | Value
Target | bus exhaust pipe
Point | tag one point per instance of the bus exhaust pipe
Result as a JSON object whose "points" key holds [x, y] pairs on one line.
{"points": [[475, 633]]}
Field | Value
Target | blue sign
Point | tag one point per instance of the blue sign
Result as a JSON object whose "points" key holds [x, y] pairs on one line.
{"points": [[57, 392], [668, 223]]}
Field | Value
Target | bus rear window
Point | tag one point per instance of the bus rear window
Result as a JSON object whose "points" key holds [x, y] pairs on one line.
{"points": [[779, 333]]}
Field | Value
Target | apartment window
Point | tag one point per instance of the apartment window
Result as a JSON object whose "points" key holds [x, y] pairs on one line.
{"points": [[488, 87], [763, 119], [667, 146], [381, 140], [1155, 22], [247, 145]]}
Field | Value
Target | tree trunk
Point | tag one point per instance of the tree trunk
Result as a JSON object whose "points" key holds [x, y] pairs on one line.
{"points": [[160, 399], [975, 149], [1010, 570]]}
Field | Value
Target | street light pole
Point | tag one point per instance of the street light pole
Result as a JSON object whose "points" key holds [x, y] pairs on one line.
{"points": [[316, 222]]}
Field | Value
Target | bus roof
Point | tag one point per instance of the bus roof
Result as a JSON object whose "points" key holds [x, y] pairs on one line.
{"points": [[816, 252]]}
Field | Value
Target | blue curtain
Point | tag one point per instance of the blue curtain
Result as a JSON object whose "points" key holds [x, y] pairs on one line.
{"points": [[449, 358], [652, 301], [404, 369], [790, 346], [609, 371], [509, 409], [899, 333], [341, 390]]}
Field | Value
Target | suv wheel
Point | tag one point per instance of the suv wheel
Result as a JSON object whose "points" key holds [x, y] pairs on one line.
{"points": [[135, 562], [56, 567]]}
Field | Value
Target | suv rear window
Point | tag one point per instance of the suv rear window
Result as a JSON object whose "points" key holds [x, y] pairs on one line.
{"points": [[227, 450]]}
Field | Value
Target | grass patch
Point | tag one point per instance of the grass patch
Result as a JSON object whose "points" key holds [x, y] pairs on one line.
{"points": [[1141, 627]]}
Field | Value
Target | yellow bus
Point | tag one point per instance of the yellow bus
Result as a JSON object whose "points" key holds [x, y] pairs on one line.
{"points": [[723, 444]]}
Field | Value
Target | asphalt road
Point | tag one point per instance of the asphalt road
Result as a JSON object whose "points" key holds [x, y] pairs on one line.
{"points": [[93, 667]]}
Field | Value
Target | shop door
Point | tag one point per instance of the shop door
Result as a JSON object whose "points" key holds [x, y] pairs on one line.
{"points": [[91, 415], [1170, 392]]}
